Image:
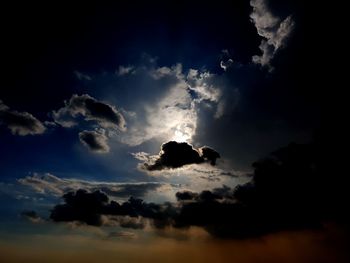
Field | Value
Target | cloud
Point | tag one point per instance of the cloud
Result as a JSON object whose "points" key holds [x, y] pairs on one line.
{"points": [[108, 118], [168, 102], [82, 76], [122, 234], [32, 216], [209, 154], [274, 31], [94, 141], [226, 64], [89, 208], [49, 184], [176, 154], [124, 70], [186, 195], [106, 115], [287, 192], [20, 123]]}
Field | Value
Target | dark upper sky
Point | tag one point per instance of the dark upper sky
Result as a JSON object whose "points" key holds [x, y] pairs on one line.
{"points": [[44, 45]]}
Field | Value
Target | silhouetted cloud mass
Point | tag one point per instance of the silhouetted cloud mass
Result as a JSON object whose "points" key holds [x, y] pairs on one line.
{"points": [[177, 154], [286, 193]]}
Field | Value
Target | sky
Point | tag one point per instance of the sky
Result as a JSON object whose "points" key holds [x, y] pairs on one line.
{"points": [[143, 131]]}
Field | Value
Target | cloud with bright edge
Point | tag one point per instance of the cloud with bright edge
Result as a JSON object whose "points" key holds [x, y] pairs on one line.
{"points": [[20, 123], [274, 30]]}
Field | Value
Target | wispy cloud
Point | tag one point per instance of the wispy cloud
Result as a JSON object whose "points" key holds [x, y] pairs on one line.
{"points": [[49, 184]]}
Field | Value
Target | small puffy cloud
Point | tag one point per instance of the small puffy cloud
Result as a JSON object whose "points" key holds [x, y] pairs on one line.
{"points": [[32, 216], [82, 76], [94, 141], [274, 31], [201, 84], [106, 115], [177, 154], [162, 72], [209, 154], [226, 64], [20, 123], [124, 70]]}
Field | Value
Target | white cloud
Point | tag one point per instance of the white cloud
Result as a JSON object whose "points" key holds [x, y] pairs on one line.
{"points": [[274, 31]]}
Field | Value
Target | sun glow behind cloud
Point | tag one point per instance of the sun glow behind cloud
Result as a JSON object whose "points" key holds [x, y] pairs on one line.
{"points": [[174, 116], [181, 135]]}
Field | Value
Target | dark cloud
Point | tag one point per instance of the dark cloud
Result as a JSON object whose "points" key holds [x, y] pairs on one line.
{"points": [[94, 141], [89, 207], [289, 190], [49, 184], [107, 116], [209, 154], [20, 123], [81, 206], [177, 154], [186, 195]]}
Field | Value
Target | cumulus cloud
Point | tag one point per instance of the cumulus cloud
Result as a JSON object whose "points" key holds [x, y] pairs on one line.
{"points": [[106, 115], [49, 184], [177, 154], [274, 31], [20, 123], [94, 141]]}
